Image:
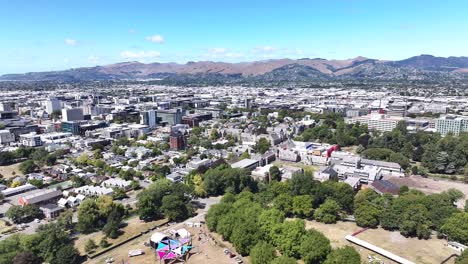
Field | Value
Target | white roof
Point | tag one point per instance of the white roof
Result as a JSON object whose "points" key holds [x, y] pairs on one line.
{"points": [[157, 237], [183, 233]]}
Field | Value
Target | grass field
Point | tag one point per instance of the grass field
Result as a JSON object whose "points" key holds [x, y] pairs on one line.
{"points": [[7, 171], [419, 251], [134, 227]]}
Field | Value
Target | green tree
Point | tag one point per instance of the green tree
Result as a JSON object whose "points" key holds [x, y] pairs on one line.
{"points": [[284, 260], [88, 216], [463, 258], [24, 214], [455, 194], [114, 220], [262, 253], [456, 227], [104, 243], [302, 205], [328, 212], [262, 146], [174, 208], [26, 257], [367, 215], [288, 236], [268, 219], [65, 219], [346, 255], [67, 255], [27, 166], [314, 247], [415, 222], [90, 246], [275, 173], [244, 155], [284, 203]]}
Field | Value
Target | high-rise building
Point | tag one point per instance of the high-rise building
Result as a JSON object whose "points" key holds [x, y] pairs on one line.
{"points": [[170, 117], [248, 103], [6, 107], [149, 118], [52, 105], [6, 137], [72, 114], [452, 124]]}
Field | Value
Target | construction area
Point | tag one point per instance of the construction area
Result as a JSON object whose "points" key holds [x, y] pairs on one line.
{"points": [[205, 247]]}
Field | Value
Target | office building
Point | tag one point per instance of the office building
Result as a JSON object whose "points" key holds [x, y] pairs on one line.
{"points": [[72, 114], [53, 105], [6, 137], [6, 107], [170, 117], [149, 118], [452, 124]]}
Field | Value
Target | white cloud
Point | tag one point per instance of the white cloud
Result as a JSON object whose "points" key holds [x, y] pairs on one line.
{"points": [[220, 53], [71, 42], [155, 39], [139, 54], [265, 49], [131, 31], [217, 50], [93, 59]]}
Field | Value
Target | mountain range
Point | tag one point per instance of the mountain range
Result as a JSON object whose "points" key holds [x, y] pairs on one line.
{"points": [[423, 67]]}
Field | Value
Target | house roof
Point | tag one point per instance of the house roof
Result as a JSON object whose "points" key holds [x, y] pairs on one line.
{"points": [[41, 196], [384, 186]]}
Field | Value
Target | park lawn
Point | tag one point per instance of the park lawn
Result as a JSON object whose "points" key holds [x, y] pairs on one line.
{"points": [[10, 171], [134, 226]]}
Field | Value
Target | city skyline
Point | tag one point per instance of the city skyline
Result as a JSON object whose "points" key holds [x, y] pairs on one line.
{"points": [[56, 35]]}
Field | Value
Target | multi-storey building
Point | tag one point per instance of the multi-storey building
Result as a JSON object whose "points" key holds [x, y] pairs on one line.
{"points": [[52, 105], [72, 114], [452, 124], [377, 121]]}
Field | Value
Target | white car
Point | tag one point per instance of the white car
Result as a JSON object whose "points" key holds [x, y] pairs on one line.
{"points": [[135, 252], [37, 220]]}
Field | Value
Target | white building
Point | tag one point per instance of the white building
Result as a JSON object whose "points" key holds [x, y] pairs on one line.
{"points": [[452, 124], [94, 190], [377, 121], [31, 140], [116, 183]]}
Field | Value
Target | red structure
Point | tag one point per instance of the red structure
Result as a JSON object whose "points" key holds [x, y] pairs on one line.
{"points": [[331, 149], [177, 141]]}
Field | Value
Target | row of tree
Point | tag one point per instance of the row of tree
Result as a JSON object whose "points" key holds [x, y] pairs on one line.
{"points": [[51, 244], [413, 213], [260, 231]]}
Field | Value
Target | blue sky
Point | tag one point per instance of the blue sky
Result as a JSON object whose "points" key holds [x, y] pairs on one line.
{"points": [[40, 35]]}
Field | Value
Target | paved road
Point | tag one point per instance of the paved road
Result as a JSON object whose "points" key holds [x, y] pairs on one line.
{"points": [[30, 229]]}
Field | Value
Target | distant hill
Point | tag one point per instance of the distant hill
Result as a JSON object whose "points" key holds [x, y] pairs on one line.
{"points": [[423, 67]]}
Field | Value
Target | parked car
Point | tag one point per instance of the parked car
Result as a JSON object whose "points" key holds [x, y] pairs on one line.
{"points": [[135, 252]]}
